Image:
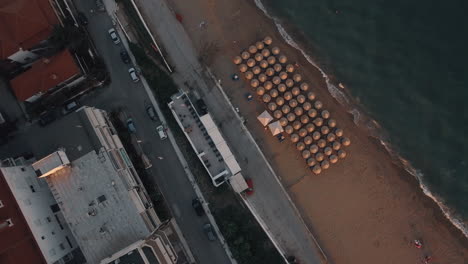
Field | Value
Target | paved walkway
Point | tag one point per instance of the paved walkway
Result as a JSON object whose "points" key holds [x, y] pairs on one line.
{"points": [[270, 202]]}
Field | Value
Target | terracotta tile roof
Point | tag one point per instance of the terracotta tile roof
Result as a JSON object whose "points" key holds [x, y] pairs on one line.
{"points": [[44, 75], [24, 23]]}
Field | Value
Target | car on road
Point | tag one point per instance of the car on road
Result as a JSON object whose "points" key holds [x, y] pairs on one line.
{"points": [[124, 56], [197, 206], [100, 6], [113, 34], [151, 113], [82, 19], [131, 126], [161, 132], [133, 75], [70, 107], [46, 118], [208, 229]]}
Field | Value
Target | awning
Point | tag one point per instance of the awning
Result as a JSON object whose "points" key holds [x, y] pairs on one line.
{"points": [[265, 118], [275, 128]]}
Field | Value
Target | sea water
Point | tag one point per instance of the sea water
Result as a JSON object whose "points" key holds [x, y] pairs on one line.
{"points": [[406, 63]]}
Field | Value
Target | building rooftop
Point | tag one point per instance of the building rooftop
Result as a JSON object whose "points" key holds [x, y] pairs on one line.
{"points": [[97, 206], [45, 74], [24, 24]]}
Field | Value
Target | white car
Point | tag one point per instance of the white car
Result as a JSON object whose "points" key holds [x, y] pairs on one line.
{"points": [[161, 132], [133, 75], [113, 34]]}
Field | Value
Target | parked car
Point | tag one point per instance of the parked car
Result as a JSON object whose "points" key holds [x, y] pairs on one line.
{"points": [[131, 126], [250, 190], [133, 75], [46, 118], [100, 6], [161, 132], [82, 19], [124, 56], [151, 113], [70, 107], [197, 206], [209, 232], [113, 34]]}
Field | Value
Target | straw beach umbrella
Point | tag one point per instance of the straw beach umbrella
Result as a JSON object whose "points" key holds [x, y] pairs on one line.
{"points": [[294, 138], [317, 169], [345, 141], [307, 106], [245, 55], [258, 57], [331, 137], [327, 151], [295, 91], [271, 60], [249, 75], [336, 145], [262, 77], [270, 72], [283, 59], [312, 113], [259, 45], [243, 68], [266, 98], [277, 114], [297, 77], [339, 132], [264, 64], [302, 132], [280, 101], [318, 105], [311, 162], [289, 129], [325, 114], [308, 140], [292, 103], [325, 164], [272, 106], [341, 154], [267, 40], [260, 90], [300, 146], [252, 49], [256, 70], [276, 80], [296, 125], [237, 60], [311, 96], [284, 121], [298, 111], [277, 67], [333, 159], [265, 53], [268, 85], [282, 87], [283, 75], [291, 117], [316, 135], [324, 130], [290, 68], [287, 96], [251, 63], [304, 87], [305, 154], [321, 143], [254, 83], [301, 99], [313, 148], [332, 123], [310, 127], [274, 93], [318, 121], [289, 83], [275, 50], [304, 119], [286, 109], [319, 156]]}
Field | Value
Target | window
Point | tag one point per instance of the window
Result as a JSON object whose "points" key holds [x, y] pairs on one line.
{"points": [[32, 188], [62, 247], [55, 208], [69, 242], [1, 204]]}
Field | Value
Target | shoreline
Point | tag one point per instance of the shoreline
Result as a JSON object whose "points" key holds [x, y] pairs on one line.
{"points": [[358, 202], [360, 114]]}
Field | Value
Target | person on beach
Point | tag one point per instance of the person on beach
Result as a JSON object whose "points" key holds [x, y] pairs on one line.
{"points": [[417, 243]]}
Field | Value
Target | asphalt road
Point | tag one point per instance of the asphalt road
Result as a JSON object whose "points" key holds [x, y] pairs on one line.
{"points": [[123, 93]]}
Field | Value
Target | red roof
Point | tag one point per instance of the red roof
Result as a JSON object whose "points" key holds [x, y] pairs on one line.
{"points": [[24, 23], [17, 244], [44, 74]]}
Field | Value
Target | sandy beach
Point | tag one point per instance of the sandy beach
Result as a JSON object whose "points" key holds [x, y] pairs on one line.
{"points": [[364, 209]]}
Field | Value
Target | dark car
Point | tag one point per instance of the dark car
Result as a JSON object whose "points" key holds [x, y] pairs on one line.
{"points": [[151, 113], [209, 232], [82, 19], [124, 56], [46, 118], [131, 126], [196, 204]]}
